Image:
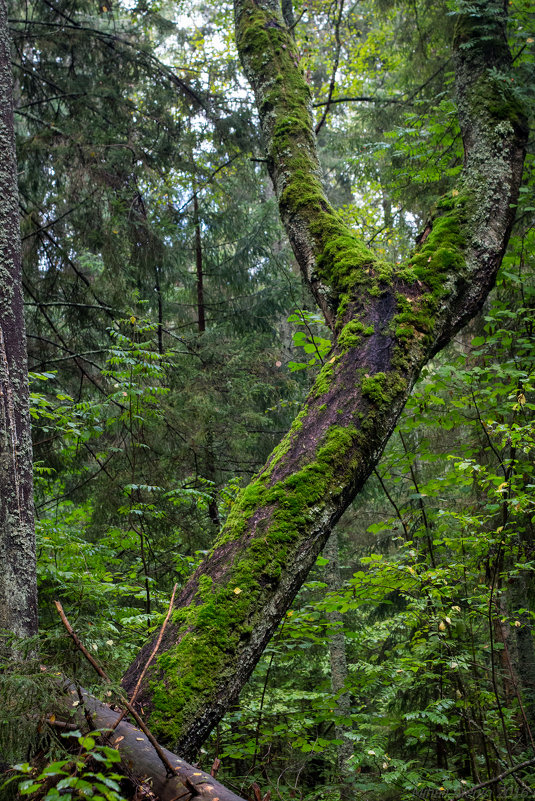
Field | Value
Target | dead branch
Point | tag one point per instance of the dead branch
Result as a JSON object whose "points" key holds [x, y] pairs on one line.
{"points": [[151, 657], [495, 779]]}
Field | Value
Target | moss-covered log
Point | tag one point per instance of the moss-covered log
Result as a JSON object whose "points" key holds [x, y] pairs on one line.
{"points": [[388, 320], [18, 593]]}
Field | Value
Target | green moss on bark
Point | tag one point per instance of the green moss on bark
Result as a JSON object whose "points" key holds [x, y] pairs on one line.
{"points": [[382, 388], [352, 333], [225, 609]]}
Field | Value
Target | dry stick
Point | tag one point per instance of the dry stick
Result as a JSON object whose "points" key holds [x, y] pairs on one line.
{"points": [[149, 660], [165, 762], [215, 767], [420, 504], [393, 503], [257, 736], [496, 779]]}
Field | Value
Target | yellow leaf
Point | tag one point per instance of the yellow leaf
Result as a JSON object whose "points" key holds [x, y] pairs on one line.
{"points": [[521, 399], [133, 320], [442, 626], [237, 591], [454, 192], [502, 486]]}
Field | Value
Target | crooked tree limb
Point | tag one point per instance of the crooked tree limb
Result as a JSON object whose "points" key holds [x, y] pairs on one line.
{"points": [[388, 320], [149, 660], [122, 700]]}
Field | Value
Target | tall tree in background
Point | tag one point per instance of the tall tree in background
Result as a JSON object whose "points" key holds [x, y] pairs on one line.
{"points": [[388, 320], [18, 592]]}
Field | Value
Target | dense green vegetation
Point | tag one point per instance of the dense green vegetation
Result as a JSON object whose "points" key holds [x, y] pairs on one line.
{"points": [[170, 340]]}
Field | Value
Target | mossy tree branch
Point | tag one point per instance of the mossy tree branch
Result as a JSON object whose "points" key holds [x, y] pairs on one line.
{"points": [[388, 321]]}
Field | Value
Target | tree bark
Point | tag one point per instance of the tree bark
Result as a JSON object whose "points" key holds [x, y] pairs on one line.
{"points": [[18, 593], [339, 674], [388, 320], [140, 760]]}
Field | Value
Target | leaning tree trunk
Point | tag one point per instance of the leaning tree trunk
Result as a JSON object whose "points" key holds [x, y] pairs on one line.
{"points": [[388, 320], [18, 595]]}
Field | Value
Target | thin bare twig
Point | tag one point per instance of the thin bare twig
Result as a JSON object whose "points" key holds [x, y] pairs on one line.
{"points": [[172, 771], [393, 503], [149, 660], [335, 68], [495, 779]]}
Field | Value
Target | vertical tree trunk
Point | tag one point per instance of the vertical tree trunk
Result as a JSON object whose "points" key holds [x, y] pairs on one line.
{"points": [[213, 511], [198, 262], [522, 651], [18, 594], [338, 659], [158, 289]]}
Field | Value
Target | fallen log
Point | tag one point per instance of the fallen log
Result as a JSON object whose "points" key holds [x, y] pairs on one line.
{"points": [[143, 763]]}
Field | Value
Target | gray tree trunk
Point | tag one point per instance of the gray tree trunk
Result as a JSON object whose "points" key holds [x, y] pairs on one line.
{"points": [[339, 673], [18, 593]]}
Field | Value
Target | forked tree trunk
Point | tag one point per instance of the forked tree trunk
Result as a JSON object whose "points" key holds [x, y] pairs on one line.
{"points": [[388, 320], [18, 594]]}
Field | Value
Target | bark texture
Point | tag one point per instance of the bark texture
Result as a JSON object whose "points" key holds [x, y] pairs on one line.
{"points": [[388, 320], [18, 594]]}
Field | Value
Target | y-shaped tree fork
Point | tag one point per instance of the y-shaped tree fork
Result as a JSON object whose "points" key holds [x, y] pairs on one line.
{"points": [[387, 320]]}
